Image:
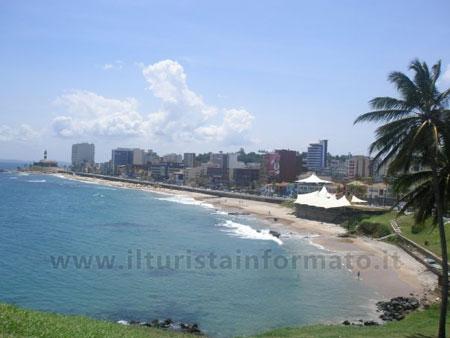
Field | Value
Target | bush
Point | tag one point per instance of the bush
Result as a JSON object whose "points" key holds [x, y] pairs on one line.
{"points": [[352, 223], [417, 228], [373, 229]]}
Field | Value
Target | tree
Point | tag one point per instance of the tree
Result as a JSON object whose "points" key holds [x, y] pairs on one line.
{"points": [[416, 131]]}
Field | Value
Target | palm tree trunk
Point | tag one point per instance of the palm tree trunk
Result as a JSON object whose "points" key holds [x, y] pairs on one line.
{"points": [[444, 280]]}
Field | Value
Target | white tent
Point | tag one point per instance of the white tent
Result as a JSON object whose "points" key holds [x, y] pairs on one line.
{"points": [[313, 179], [322, 199], [357, 200]]}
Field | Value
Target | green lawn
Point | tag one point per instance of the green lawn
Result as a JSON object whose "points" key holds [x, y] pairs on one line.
{"points": [[425, 235], [420, 324], [428, 236], [17, 322]]}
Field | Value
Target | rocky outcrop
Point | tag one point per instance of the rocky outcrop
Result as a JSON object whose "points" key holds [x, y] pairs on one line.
{"points": [[167, 324], [397, 308]]}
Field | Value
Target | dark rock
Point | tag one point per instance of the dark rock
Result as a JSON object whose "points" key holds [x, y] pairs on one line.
{"points": [[346, 322], [397, 308], [167, 324], [370, 323], [275, 233]]}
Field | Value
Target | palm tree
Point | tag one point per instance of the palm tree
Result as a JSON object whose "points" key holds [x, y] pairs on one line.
{"points": [[416, 189], [416, 127]]}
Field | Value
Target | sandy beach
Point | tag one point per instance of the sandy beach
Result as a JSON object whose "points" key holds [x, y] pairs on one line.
{"points": [[391, 271]]}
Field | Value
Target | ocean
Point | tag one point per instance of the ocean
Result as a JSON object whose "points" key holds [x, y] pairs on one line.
{"points": [[121, 254]]}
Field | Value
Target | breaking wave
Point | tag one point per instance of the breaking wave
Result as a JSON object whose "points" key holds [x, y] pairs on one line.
{"points": [[246, 231]]}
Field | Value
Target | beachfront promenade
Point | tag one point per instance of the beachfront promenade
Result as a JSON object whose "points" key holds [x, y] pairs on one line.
{"points": [[218, 193]]}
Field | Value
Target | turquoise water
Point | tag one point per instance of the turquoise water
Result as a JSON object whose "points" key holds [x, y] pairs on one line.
{"points": [[43, 216]]}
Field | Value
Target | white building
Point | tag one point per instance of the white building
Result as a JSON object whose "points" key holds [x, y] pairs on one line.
{"points": [[82, 154], [138, 156], [173, 158]]}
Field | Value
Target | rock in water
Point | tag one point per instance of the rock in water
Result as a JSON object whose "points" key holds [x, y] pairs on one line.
{"points": [[274, 233]]}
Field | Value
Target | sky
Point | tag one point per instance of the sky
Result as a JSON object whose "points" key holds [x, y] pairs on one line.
{"points": [[183, 76]]}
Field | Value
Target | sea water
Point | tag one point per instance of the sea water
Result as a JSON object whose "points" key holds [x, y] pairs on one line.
{"points": [[48, 221]]}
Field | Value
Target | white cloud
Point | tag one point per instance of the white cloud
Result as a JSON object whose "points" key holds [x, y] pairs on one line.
{"points": [[183, 115], [232, 131], [95, 115], [446, 75], [118, 64], [22, 133], [167, 81]]}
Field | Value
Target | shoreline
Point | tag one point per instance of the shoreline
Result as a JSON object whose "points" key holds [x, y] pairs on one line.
{"points": [[386, 277]]}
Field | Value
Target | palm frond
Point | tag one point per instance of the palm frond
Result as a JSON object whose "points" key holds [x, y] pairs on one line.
{"points": [[382, 115], [405, 86]]}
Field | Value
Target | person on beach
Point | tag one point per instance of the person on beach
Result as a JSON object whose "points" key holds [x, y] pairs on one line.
{"points": [[359, 275]]}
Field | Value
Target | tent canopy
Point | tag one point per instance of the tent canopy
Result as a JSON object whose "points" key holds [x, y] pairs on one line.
{"points": [[322, 199], [357, 200], [313, 179]]}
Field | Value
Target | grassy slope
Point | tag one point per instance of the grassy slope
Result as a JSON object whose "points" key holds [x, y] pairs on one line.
{"points": [[428, 237], [17, 322], [419, 324]]}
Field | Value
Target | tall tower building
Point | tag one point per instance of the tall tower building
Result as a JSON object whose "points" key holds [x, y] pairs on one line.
{"points": [[82, 154]]}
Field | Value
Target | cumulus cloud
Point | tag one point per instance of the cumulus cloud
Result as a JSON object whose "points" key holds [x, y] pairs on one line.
{"points": [[167, 81], [22, 133], [96, 115], [182, 116], [231, 131]]}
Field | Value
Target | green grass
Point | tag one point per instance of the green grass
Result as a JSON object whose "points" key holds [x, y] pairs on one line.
{"points": [[425, 235], [370, 225], [428, 236], [18, 322], [420, 324]]}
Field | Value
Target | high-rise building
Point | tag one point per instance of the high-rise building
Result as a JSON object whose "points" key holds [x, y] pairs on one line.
{"points": [[217, 159], [358, 166], [188, 160], [316, 158], [150, 157], [270, 169], [288, 165], [82, 154], [122, 156]]}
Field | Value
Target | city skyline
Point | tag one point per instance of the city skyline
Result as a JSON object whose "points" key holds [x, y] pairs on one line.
{"points": [[202, 77]]}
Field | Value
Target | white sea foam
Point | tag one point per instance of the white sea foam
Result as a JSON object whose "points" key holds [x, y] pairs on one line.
{"points": [[246, 231], [309, 238], [36, 181], [59, 176], [21, 173], [186, 200]]}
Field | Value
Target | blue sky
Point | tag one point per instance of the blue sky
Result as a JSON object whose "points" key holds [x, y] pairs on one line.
{"points": [[178, 76]]}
